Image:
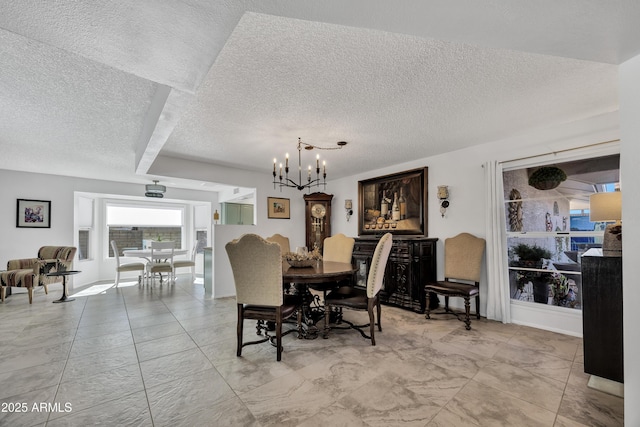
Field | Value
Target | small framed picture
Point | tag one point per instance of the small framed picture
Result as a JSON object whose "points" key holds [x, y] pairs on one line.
{"points": [[33, 213], [278, 208]]}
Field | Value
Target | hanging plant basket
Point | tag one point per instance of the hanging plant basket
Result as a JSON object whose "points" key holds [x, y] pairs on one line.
{"points": [[547, 178]]}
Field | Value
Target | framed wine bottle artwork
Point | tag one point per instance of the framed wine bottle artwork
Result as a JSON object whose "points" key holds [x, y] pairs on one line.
{"points": [[394, 203]]}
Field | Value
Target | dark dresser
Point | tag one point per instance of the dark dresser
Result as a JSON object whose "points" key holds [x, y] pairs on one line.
{"points": [[412, 262], [602, 315]]}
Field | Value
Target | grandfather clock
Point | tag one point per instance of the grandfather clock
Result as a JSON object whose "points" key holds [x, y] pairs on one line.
{"points": [[317, 219]]}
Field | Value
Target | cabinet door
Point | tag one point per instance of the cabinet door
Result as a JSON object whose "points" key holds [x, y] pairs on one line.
{"points": [[362, 254], [246, 214], [362, 263], [423, 270], [602, 317], [232, 214]]}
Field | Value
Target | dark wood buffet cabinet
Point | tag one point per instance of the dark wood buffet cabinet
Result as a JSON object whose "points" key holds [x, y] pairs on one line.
{"points": [[602, 315], [412, 262]]}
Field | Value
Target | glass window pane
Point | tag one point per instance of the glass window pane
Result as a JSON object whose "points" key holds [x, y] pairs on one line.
{"points": [[141, 237], [549, 229], [83, 244], [144, 216]]}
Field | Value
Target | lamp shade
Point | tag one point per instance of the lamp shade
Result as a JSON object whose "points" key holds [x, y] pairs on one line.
{"points": [[605, 206]]}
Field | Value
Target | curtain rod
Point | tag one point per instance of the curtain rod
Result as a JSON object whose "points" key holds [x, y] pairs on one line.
{"points": [[561, 151]]}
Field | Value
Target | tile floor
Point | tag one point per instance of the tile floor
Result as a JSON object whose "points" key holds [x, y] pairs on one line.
{"points": [[165, 356]]}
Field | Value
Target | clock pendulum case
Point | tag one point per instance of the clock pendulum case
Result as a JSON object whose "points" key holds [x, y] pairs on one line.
{"points": [[317, 219]]}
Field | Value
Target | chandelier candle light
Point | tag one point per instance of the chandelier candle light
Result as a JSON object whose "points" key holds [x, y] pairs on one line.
{"points": [[285, 181]]}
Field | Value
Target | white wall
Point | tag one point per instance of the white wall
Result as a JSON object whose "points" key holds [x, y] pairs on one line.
{"points": [[25, 242], [630, 181]]}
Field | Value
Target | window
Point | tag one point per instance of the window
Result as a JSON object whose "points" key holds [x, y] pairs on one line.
{"points": [[85, 227], [84, 237], [135, 226], [548, 230]]}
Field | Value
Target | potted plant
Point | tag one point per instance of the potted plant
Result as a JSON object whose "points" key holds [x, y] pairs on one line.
{"points": [[531, 257], [547, 178], [560, 289]]}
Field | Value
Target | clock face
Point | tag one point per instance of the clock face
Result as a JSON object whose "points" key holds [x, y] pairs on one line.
{"points": [[318, 211]]}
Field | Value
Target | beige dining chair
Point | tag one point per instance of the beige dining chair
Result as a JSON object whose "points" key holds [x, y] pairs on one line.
{"points": [[282, 241], [363, 299], [257, 274], [338, 248], [128, 266], [462, 268], [187, 263], [161, 261]]}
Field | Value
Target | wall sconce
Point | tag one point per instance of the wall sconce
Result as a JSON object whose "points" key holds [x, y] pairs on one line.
{"points": [[216, 216], [443, 196], [348, 206]]}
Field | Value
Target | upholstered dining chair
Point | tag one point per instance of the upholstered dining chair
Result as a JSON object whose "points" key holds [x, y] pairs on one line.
{"points": [[462, 267], [187, 263], [338, 248], [127, 266], [257, 273], [363, 299], [282, 241], [161, 260]]}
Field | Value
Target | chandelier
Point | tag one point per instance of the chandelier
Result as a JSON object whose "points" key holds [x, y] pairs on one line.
{"points": [[285, 181]]}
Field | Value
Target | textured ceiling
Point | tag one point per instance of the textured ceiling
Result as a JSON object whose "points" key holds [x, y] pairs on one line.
{"points": [[100, 89]]}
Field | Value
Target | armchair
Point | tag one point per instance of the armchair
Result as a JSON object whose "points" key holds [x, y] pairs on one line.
{"points": [[31, 272]]}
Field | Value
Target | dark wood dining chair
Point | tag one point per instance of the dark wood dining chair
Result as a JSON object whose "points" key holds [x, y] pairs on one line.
{"points": [[257, 273], [368, 299], [462, 268]]}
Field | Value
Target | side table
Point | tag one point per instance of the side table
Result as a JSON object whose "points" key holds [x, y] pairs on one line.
{"points": [[64, 275]]}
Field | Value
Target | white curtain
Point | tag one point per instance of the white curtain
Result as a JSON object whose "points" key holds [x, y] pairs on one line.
{"points": [[498, 298]]}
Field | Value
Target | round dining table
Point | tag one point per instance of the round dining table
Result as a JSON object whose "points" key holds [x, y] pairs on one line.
{"points": [[321, 276], [146, 253]]}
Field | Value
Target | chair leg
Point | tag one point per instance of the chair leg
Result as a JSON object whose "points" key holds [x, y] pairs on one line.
{"points": [[379, 307], [467, 320], [46, 289], [30, 290], [477, 307], [372, 324], [446, 304], [327, 315], [239, 330], [426, 307], [117, 278], [279, 333], [2, 293]]}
